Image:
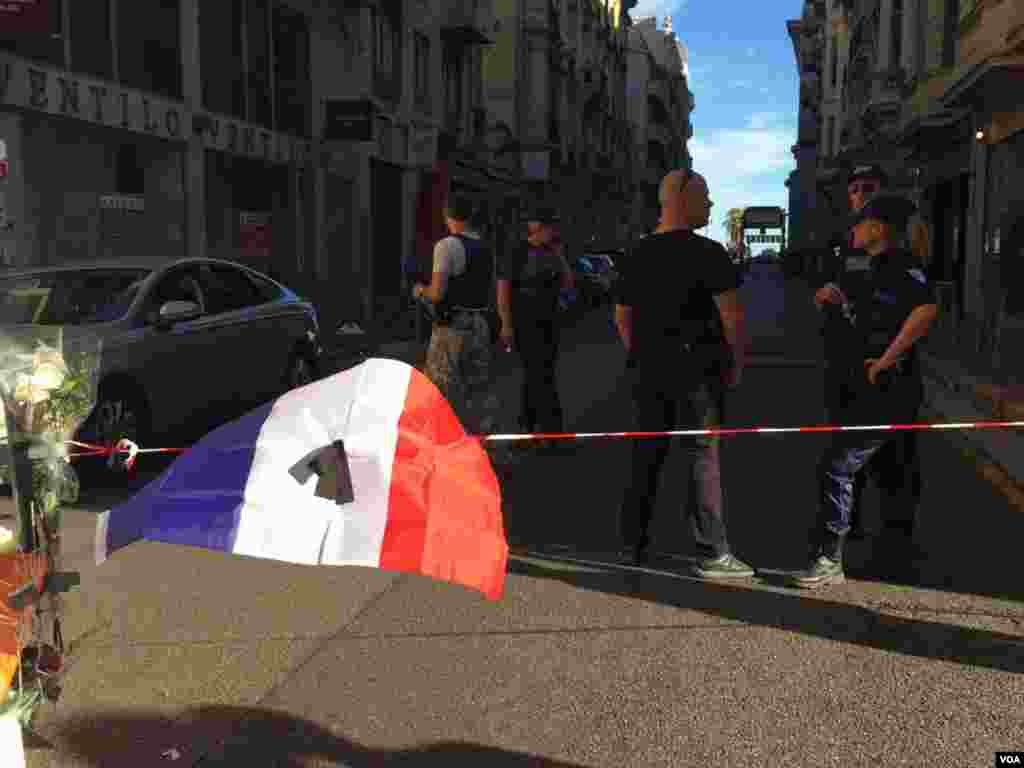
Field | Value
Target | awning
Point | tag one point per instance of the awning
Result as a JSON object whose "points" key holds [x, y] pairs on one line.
{"points": [[999, 80]]}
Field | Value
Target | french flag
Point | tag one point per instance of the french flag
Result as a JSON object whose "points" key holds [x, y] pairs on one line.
{"points": [[368, 467]]}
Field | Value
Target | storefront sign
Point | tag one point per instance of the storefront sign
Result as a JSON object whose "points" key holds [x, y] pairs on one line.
{"points": [[237, 138], [30, 86], [24, 17], [127, 203], [254, 234]]}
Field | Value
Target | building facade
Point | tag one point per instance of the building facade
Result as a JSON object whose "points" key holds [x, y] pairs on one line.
{"points": [[316, 141], [932, 90], [809, 214], [660, 105]]}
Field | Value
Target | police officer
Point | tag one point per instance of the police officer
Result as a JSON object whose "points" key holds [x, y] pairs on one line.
{"points": [[459, 354], [898, 465], [885, 314], [530, 280]]}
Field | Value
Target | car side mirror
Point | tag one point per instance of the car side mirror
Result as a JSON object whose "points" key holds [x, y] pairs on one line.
{"points": [[178, 312]]}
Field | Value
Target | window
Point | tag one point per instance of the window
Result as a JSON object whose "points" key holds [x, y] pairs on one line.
{"points": [[91, 46], [227, 289], [265, 290], [387, 50], [834, 61], [293, 89], [148, 46], [130, 176], [384, 46], [896, 59], [421, 52], [258, 63], [220, 55], [179, 285], [453, 68], [950, 30]]}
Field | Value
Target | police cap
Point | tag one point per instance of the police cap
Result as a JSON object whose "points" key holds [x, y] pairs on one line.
{"points": [[868, 171]]}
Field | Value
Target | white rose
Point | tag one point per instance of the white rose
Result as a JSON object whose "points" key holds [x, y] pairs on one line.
{"points": [[48, 355], [8, 544], [48, 376]]}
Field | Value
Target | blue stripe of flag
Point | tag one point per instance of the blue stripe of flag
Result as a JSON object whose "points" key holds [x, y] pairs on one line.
{"points": [[197, 501]]}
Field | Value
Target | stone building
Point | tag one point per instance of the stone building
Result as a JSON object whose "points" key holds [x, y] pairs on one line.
{"points": [[809, 214], [660, 105], [288, 134]]}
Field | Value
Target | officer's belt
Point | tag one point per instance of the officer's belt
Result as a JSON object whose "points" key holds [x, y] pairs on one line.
{"points": [[470, 309]]}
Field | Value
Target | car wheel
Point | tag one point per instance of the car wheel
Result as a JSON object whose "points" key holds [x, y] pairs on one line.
{"points": [[300, 373], [120, 412]]}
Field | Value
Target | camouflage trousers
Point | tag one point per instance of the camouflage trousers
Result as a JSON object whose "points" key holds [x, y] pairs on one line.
{"points": [[459, 362]]}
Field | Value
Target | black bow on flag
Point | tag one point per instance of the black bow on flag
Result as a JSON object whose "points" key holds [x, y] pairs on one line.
{"points": [[330, 465]]}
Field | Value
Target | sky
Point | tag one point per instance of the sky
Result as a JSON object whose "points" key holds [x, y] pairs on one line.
{"points": [[745, 84]]}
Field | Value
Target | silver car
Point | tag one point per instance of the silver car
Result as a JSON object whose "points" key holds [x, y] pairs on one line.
{"points": [[187, 345]]}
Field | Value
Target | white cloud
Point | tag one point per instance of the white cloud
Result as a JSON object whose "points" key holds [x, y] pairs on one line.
{"points": [[659, 8], [745, 166]]}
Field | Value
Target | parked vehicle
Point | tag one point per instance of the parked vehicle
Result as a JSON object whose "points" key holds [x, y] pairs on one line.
{"points": [[596, 275], [186, 345]]}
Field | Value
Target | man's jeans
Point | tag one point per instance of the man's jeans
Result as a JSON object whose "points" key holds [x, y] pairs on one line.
{"points": [[665, 400], [848, 453]]}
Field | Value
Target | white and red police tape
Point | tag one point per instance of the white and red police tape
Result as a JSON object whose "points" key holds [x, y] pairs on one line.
{"points": [[725, 431], [130, 450]]}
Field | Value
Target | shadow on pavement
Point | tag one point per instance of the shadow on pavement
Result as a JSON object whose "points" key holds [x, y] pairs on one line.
{"points": [[257, 737], [788, 611]]}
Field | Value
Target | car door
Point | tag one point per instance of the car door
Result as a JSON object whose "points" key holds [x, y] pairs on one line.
{"points": [[180, 366], [253, 335]]}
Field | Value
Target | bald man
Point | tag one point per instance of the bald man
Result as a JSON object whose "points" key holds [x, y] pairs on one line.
{"points": [[679, 317]]}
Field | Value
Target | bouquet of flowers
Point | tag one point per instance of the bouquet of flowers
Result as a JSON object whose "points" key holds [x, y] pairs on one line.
{"points": [[48, 382]]}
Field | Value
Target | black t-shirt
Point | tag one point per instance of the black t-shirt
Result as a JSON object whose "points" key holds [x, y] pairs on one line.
{"points": [[670, 280]]}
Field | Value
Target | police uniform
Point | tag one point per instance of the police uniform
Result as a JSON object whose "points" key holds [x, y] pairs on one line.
{"points": [[460, 351], [535, 274], [896, 469], [877, 309]]}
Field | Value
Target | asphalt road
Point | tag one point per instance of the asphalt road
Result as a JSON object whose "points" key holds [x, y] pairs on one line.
{"points": [[188, 657]]}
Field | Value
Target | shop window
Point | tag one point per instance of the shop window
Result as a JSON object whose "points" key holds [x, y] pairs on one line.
{"points": [[148, 46], [220, 55], [130, 176], [292, 71], [44, 47], [92, 49]]}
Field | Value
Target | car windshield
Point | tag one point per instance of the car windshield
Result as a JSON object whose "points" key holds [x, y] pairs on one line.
{"points": [[69, 297]]}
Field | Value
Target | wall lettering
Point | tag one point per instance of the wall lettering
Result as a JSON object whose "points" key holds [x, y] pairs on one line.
{"points": [[37, 86], [69, 103], [99, 95]]}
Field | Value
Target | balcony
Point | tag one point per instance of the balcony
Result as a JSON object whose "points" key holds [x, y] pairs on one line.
{"points": [[467, 22]]}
